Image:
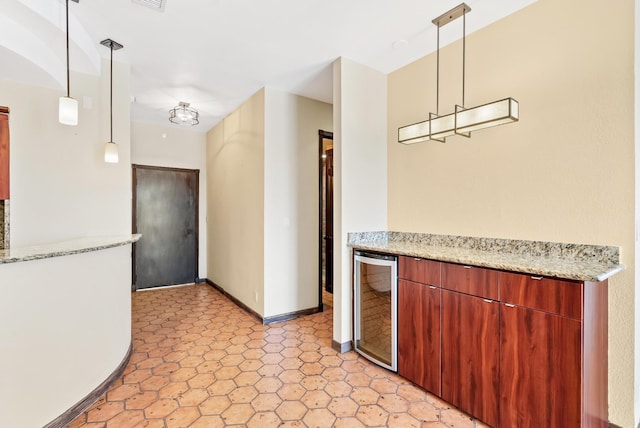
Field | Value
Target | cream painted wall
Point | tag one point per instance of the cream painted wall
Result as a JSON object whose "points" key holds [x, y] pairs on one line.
{"points": [[65, 326], [291, 200], [174, 146], [235, 203], [564, 173], [360, 179], [61, 188], [262, 177]]}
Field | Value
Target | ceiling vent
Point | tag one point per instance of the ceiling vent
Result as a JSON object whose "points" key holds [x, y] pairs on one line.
{"points": [[152, 4]]}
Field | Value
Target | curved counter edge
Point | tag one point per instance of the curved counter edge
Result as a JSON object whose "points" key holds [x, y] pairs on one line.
{"points": [[65, 248], [81, 406]]}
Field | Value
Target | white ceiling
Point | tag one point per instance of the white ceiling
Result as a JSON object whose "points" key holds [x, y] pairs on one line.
{"points": [[214, 54]]}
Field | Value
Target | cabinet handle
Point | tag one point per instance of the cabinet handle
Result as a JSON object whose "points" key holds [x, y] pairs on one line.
{"points": [[488, 300], [467, 267], [510, 305], [432, 287], [537, 278], [417, 258]]}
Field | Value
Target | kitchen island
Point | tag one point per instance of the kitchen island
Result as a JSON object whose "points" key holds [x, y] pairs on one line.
{"points": [[65, 326]]}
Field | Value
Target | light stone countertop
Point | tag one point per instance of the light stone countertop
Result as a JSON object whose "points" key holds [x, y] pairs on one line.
{"points": [[65, 248], [568, 261]]}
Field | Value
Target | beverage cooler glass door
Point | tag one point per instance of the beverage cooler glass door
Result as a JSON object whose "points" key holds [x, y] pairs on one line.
{"points": [[375, 313]]}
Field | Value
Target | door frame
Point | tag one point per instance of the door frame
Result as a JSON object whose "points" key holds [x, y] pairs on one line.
{"points": [[134, 228], [321, 136]]}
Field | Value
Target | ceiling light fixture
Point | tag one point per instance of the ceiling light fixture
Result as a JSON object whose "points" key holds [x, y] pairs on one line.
{"points": [[463, 120], [182, 114], [67, 106], [111, 148]]}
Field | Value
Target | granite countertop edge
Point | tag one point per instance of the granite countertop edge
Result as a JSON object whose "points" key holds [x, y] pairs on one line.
{"points": [[592, 268], [65, 248]]}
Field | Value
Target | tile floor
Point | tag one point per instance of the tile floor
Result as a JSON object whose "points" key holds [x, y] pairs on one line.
{"points": [[200, 361]]}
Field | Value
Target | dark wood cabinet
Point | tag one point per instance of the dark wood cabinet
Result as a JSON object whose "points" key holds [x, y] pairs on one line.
{"points": [[470, 354], [4, 153], [419, 334], [553, 352], [511, 349], [540, 369]]}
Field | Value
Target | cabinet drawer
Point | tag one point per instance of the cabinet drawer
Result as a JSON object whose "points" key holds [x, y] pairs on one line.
{"points": [[472, 280], [557, 296], [419, 270]]}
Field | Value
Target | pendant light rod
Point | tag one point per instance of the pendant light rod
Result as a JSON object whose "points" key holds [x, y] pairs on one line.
{"points": [[112, 45], [68, 80], [438, 73], [464, 50], [67, 20]]}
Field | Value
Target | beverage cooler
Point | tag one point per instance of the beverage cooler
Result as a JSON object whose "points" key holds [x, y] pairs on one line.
{"points": [[375, 308]]}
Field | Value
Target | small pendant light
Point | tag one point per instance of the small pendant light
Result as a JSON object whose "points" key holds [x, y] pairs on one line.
{"points": [[67, 106], [111, 148]]}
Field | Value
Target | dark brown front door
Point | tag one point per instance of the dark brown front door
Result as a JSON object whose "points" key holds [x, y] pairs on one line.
{"points": [[165, 212]]}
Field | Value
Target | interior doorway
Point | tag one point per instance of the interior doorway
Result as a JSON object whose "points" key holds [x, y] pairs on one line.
{"points": [[325, 208], [165, 212]]}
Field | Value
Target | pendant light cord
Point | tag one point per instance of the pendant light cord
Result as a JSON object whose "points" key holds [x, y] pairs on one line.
{"points": [[438, 73], [464, 49], [68, 80], [111, 93]]}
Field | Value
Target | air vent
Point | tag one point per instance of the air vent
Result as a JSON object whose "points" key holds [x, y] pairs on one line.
{"points": [[152, 4]]}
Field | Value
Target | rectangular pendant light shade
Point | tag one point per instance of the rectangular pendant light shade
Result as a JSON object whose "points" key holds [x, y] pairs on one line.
{"points": [[461, 122], [68, 111]]}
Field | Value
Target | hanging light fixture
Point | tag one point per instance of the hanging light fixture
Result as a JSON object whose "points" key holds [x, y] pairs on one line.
{"points": [[463, 120], [182, 114], [67, 106], [111, 148]]}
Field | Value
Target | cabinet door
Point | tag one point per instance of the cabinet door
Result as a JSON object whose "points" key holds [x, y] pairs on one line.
{"points": [[419, 334], [4, 156], [470, 345], [539, 369]]}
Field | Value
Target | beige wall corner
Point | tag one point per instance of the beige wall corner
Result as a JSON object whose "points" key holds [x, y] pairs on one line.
{"points": [[235, 203], [360, 172], [564, 172]]}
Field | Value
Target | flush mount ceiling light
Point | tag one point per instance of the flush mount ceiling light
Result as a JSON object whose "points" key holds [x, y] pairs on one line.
{"points": [[182, 114], [111, 148], [463, 120], [67, 106]]}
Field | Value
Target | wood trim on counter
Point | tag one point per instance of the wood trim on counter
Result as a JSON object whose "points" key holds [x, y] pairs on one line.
{"points": [[81, 406]]}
